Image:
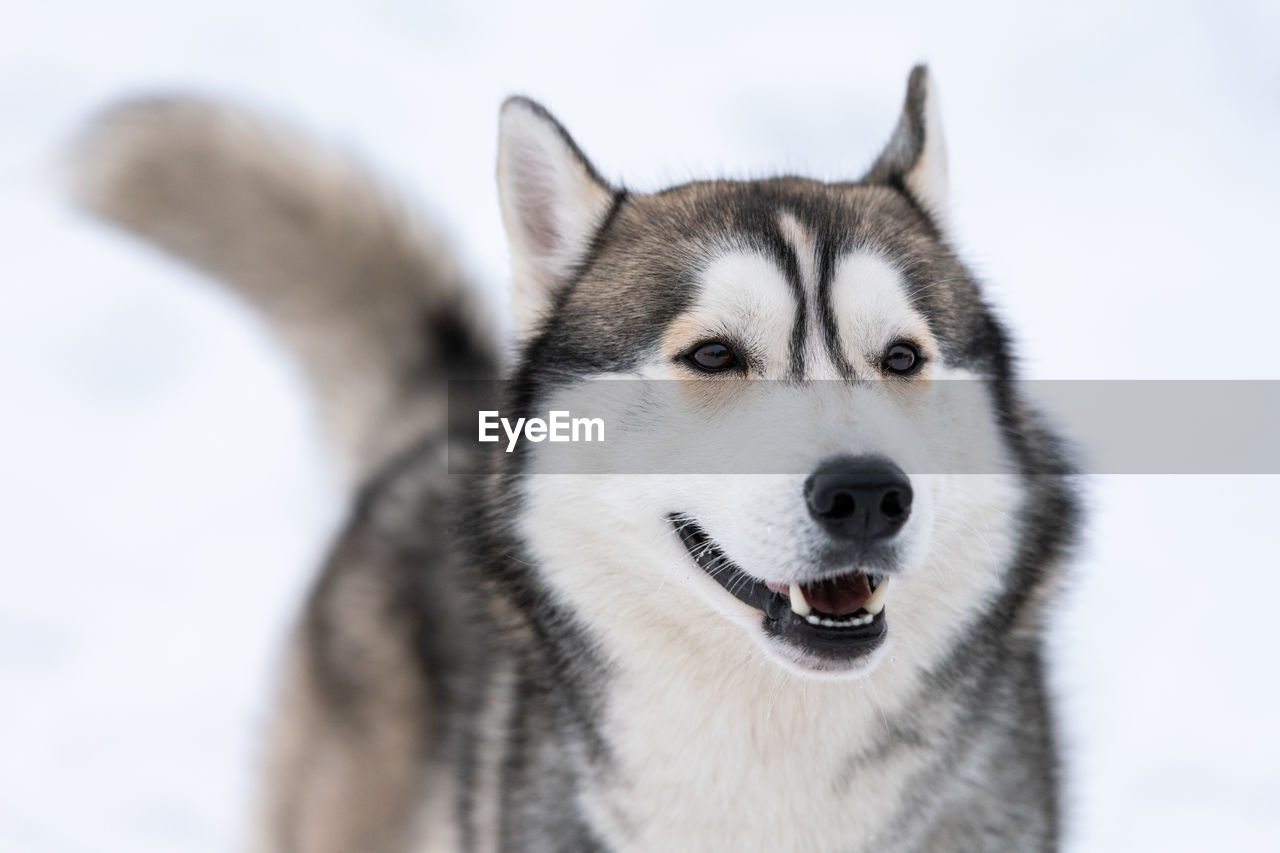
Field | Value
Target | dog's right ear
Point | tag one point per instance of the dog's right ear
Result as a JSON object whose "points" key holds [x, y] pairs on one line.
{"points": [[915, 160], [553, 203]]}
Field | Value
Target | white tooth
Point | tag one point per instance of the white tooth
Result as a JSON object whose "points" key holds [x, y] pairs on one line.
{"points": [[875, 603], [799, 604]]}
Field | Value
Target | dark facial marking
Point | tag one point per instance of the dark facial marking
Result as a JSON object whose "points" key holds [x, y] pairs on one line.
{"points": [[786, 256], [826, 311]]}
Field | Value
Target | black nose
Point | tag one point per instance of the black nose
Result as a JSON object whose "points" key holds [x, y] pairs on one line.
{"points": [[864, 498]]}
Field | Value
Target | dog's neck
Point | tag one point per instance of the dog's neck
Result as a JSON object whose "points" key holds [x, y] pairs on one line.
{"points": [[722, 748]]}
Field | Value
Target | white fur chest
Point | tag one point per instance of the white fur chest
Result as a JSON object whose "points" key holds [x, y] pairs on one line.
{"points": [[747, 757]]}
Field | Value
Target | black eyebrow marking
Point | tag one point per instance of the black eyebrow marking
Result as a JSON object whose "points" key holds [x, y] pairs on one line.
{"points": [[826, 309]]}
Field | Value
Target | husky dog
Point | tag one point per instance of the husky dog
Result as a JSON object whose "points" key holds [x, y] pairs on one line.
{"points": [[848, 658]]}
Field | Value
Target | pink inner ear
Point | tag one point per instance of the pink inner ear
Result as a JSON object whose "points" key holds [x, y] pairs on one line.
{"points": [[536, 197], [540, 226]]}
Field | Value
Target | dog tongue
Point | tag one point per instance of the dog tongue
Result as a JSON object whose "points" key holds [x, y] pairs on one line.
{"points": [[838, 596]]}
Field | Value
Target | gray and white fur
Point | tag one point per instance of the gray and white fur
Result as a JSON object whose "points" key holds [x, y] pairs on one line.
{"points": [[513, 660]]}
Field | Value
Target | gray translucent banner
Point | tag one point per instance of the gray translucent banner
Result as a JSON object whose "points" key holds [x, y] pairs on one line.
{"points": [[734, 426]]}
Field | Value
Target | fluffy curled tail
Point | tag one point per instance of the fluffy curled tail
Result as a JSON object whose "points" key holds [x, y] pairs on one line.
{"points": [[368, 299]]}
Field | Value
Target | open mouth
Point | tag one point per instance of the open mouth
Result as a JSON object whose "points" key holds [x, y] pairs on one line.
{"points": [[837, 618]]}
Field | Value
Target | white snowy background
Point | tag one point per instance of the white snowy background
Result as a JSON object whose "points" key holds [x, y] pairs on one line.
{"points": [[164, 494]]}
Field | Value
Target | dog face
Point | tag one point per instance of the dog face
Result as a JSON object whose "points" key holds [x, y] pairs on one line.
{"points": [[819, 326]]}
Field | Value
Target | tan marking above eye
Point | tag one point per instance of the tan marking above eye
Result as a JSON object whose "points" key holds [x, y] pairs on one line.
{"points": [[743, 300]]}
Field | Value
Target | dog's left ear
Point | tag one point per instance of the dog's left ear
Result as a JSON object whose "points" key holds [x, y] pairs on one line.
{"points": [[915, 160], [553, 203]]}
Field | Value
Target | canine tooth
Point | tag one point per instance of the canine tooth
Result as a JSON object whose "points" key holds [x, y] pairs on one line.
{"points": [[799, 604], [875, 603]]}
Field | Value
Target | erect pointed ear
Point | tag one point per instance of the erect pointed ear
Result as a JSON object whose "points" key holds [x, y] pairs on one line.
{"points": [[553, 203], [915, 159]]}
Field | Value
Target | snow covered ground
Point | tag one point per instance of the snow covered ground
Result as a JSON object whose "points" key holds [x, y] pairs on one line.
{"points": [[164, 494]]}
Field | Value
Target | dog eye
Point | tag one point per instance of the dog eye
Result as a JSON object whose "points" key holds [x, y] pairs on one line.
{"points": [[713, 357], [902, 358]]}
